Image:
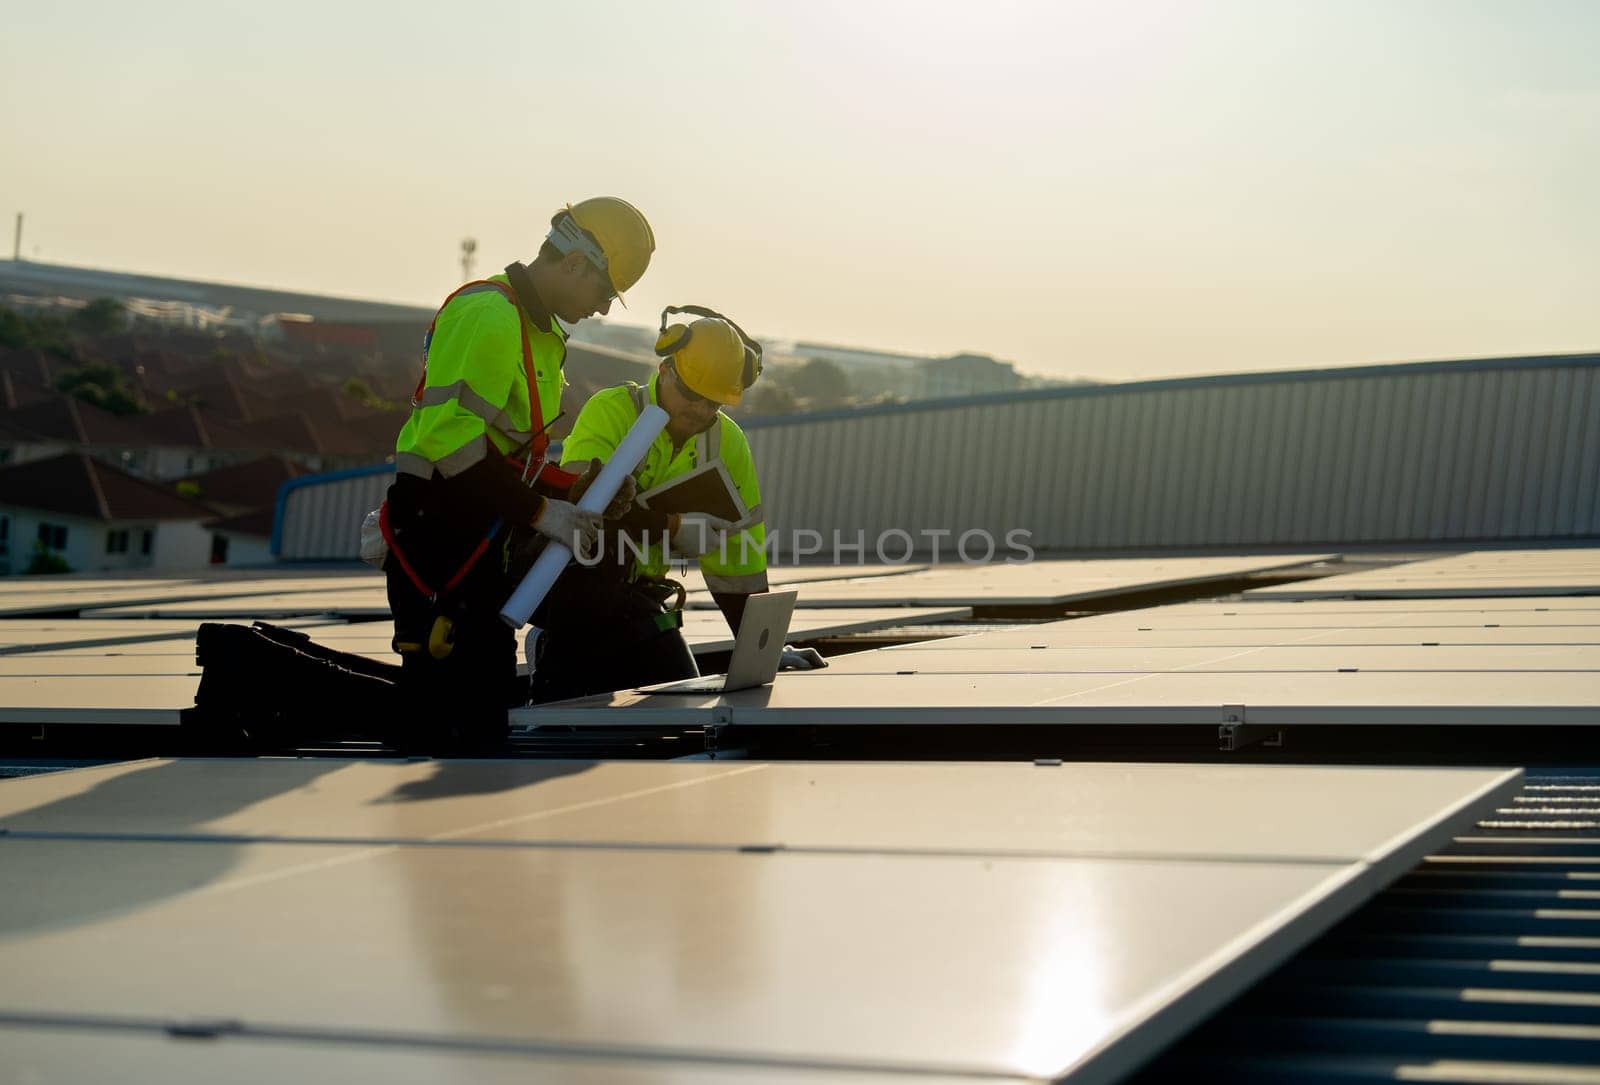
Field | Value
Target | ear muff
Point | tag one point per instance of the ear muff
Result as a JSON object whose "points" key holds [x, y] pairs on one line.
{"points": [[752, 358], [671, 340]]}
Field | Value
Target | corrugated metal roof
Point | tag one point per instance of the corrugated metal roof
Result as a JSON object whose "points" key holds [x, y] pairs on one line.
{"points": [[1221, 380], [1481, 965]]}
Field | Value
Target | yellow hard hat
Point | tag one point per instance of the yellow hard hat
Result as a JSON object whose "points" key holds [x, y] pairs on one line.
{"points": [[623, 235], [709, 356]]}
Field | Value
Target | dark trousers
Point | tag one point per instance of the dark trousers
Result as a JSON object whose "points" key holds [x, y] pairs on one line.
{"points": [[603, 634], [454, 704]]}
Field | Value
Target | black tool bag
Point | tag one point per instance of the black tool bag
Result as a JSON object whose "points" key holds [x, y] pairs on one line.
{"points": [[267, 688]]}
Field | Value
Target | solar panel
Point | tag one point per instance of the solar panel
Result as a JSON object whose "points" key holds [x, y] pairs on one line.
{"points": [[829, 699], [54, 586], [96, 699], [116, 681], [1302, 657], [1074, 810], [707, 631], [1243, 616], [331, 798], [1433, 605], [44, 664], [818, 957], [119, 1051], [1419, 634], [21, 636], [1515, 621], [371, 601], [825, 959], [173, 653], [1046, 582], [1481, 573], [790, 575], [46, 595]]}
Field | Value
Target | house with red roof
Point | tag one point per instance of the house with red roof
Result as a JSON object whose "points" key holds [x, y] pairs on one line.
{"points": [[243, 498], [76, 510]]}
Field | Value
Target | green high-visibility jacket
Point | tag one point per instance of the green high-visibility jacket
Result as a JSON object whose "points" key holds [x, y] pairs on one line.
{"points": [[737, 567], [483, 356]]}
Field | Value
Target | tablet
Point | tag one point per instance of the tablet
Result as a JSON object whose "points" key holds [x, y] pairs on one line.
{"points": [[707, 489]]}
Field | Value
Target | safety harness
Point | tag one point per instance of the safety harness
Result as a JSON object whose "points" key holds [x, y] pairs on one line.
{"points": [[441, 638], [709, 442], [410, 570], [523, 457]]}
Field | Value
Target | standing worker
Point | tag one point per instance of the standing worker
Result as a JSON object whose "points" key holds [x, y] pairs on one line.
{"points": [[472, 486], [627, 633]]}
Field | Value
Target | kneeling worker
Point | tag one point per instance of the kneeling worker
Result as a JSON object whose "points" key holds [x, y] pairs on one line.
{"points": [[473, 487], [616, 624]]}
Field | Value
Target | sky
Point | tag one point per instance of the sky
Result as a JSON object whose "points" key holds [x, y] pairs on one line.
{"points": [[1116, 190]]}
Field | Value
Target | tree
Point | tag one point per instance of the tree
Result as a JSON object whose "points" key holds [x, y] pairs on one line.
{"points": [[45, 560], [770, 395], [360, 391], [822, 382], [103, 385], [102, 316], [15, 330], [46, 333]]}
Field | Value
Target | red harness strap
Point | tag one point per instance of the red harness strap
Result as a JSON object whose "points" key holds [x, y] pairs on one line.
{"points": [[548, 472], [410, 570]]}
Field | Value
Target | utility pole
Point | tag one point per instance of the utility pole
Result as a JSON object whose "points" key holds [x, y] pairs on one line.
{"points": [[16, 246], [469, 246]]}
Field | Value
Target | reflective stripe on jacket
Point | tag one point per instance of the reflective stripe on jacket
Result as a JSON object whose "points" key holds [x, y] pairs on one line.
{"points": [[740, 566], [481, 356]]}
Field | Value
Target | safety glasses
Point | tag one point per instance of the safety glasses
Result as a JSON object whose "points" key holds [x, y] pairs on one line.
{"points": [[607, 291]]}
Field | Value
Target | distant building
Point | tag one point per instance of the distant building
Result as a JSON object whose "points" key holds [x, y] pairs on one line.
{"points": [[96, 518], [245, 539], [245, 497], [201, 304]]}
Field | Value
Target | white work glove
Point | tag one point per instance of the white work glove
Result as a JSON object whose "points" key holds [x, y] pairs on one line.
{"points": [[567, 524], [374, 547], [620, 504], [801, 659], [699, 534]]}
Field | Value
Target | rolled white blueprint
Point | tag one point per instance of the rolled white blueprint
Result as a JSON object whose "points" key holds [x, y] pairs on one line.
{"points": [[550, 563]]}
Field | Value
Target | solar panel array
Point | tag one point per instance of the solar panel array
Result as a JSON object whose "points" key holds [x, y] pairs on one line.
{"points": [[1501, 661], [1006, 920], [109, 689], [753, 921]]}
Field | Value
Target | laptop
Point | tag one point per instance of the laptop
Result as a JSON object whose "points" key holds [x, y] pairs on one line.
{"points": [[757, 650]]}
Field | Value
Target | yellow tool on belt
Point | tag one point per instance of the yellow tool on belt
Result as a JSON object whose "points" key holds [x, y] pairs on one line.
{"points": [[441, 640]]}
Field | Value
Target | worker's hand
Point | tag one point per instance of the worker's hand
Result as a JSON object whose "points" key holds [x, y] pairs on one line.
{"points": [[620, 504], [801, 659], [699, 534], [567, 524]]}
